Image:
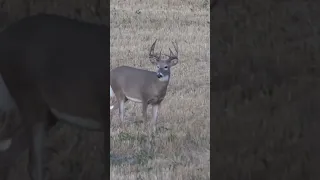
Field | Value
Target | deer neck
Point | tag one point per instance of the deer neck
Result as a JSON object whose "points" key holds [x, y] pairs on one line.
{"points": [[162, 84]]}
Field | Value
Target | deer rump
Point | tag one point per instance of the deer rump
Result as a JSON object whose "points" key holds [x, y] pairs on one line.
{"points": [[55, 65]]}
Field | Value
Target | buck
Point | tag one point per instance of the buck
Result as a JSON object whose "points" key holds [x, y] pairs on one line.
{"points": [[143, 86], [55, 68]]}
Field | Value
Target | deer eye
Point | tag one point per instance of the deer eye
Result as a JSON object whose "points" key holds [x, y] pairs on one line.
{"points": [[166, 67]]}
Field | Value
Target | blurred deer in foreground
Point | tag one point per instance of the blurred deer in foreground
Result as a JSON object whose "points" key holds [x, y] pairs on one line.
{"points": [[142, 86], [57, 68]]}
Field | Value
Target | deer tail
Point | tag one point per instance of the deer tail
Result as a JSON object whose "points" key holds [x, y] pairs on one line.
{"points": [[111, 96]]}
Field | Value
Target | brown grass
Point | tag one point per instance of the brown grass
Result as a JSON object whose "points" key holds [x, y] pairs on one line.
{"points": [[180, 149]]}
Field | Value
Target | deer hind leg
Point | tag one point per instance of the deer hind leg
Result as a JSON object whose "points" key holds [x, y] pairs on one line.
{"points": [[121, 109], [112, 99], [35, 119], [144, 110], [33, 113], [36, 151], [4, 173], [121, 98], [8, 157], [20, 142], [106, 128], [38, 133]]}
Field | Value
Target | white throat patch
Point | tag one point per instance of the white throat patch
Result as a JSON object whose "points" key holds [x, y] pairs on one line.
{"points": [[164, 78]]}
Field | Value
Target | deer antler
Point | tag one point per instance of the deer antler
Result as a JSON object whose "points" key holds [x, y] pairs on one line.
{"points": [[172, 55], [151, 53]]}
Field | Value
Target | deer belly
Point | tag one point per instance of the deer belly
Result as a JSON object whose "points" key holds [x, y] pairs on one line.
{"points": [[86, 123], [134, 99]]}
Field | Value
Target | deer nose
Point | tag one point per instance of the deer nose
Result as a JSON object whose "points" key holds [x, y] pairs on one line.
{"points": [[159, 75]]}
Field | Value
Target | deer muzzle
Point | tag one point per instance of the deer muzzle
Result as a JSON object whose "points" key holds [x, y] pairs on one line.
{"points": [[159, 75]]}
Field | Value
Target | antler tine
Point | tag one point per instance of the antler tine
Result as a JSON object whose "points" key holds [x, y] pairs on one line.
{"points": [[151, 53], [175, 45], [171, 53]]}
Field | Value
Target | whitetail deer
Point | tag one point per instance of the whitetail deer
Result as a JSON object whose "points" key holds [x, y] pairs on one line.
{"points": [[142, 86], [55, 68]]}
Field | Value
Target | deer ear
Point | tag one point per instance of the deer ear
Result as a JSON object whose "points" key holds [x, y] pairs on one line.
{"points": [[153, 60], [173, 62]]}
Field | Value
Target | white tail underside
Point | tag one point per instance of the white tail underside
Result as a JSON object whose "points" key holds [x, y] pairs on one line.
{"points": [[111, 96]]}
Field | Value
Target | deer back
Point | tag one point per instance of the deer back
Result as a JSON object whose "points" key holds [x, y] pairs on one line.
{"points": [[64, 61]]}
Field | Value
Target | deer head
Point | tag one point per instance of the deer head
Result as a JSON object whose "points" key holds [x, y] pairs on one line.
{"points": [[163, 65]]}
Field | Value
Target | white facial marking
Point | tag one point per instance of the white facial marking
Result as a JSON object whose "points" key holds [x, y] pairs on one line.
{"points": [[5, 144], [164, 78], [134, 99]]}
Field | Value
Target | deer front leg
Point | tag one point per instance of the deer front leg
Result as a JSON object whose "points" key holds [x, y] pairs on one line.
{"points": [[36, 170], [144, 110], [121, 109], [155, 111]]}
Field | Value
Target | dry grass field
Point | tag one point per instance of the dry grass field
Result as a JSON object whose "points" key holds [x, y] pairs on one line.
{"points": [[180, 147]]}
